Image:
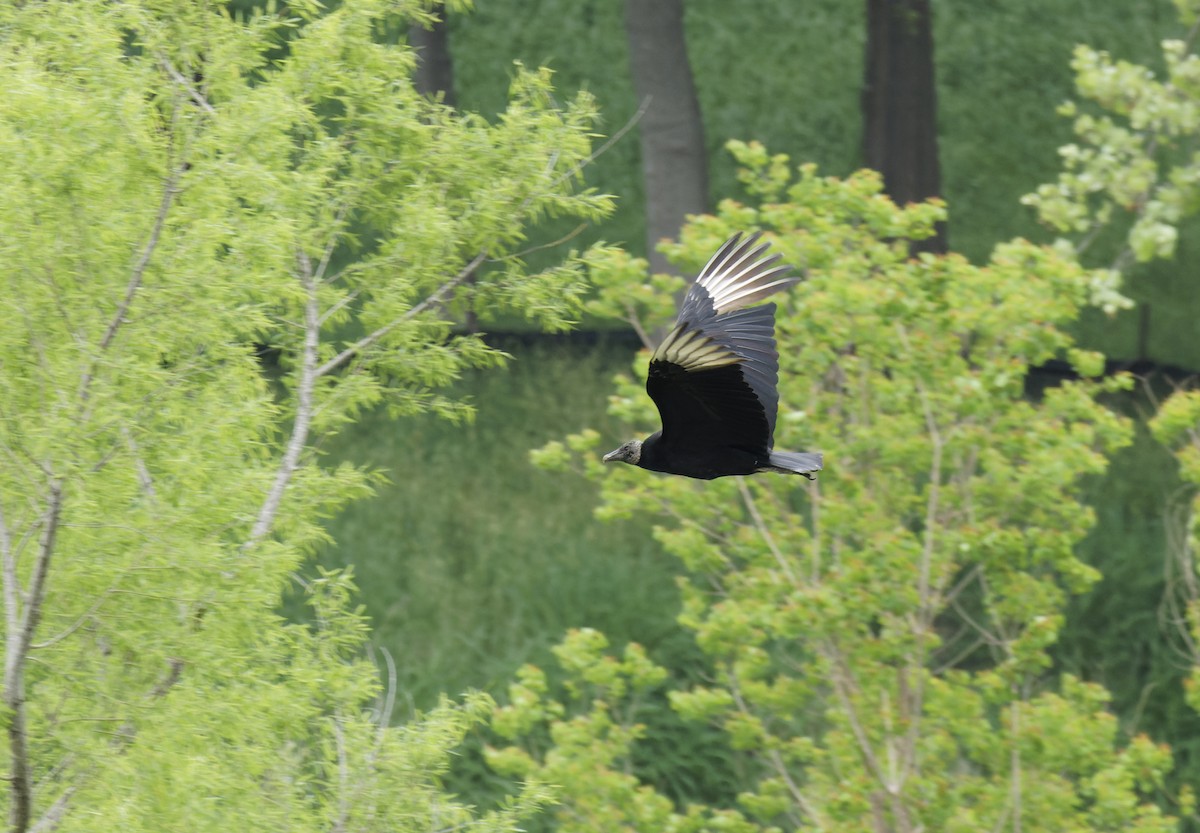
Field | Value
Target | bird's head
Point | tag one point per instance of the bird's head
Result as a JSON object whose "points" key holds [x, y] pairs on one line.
{"points": [[630, 452]]}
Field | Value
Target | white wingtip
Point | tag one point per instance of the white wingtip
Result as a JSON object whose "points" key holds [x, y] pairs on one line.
{"points": [[739, 274]]}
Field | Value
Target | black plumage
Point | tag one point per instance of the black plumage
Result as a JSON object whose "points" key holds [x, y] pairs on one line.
{"points": [[714, 376]]}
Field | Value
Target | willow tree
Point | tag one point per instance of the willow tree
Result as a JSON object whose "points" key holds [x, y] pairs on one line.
{"points": [[185, 192]]}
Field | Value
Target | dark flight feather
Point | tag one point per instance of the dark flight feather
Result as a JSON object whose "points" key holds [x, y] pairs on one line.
{"points": [[714, 376]]}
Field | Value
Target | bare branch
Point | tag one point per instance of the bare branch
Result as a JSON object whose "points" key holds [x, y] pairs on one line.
{"points": [[37, 587], [304, 407], [343, 209], [54, 813], [1014, 791], [16, 650], [963, 583], [339, 824], [844, 687], [192, 92], [143, 473], [636, 323], [953, 662], [12, 588], [570, 235], [349, 299], [385, 716], [926, 610], [138, 272], [777, 762], [434, 297], [74, 626], [608, 143], [761, 525]]}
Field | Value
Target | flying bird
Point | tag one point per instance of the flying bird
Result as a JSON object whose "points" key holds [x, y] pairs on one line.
{"points": [[713, 377]]}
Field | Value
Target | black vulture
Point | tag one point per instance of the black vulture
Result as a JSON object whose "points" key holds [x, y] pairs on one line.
{"points": [[713, 377]]}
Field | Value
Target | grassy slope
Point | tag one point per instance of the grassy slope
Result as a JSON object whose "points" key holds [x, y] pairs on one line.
{"points": [[470, 561]]}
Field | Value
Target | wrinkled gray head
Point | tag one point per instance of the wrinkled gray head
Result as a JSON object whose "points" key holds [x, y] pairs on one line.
{"points": [[629, 453]]}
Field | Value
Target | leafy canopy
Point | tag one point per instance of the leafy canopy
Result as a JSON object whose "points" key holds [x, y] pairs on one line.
{"points": [[878, 638], [224, 235]]}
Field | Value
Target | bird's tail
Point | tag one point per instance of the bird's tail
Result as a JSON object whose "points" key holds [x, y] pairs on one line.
{"points": [[793, 462]]}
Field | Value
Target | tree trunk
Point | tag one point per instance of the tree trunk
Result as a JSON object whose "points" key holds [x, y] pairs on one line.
{"points": [[434, 77], [674, 165], [899, 104], [435, 72]]}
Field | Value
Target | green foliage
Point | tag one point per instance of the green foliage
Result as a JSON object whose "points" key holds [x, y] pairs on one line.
{"points": [[791, 78], [470, 562], [1133, 175], [880, 637], [1130, 180], [1177, 426], [183, 188], [584, 743]]}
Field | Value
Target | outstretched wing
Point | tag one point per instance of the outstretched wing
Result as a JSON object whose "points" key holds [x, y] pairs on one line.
{"points": [[715, 385], [736, 276], [714, 376]]}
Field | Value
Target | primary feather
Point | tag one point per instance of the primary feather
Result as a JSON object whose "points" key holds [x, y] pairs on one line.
{"points": [[714, 376]]}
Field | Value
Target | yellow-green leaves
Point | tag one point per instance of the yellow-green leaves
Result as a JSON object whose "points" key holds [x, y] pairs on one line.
{"points": [[878, 639], [226, 234]]}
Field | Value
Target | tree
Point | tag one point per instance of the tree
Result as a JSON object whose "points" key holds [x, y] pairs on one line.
{"points": [[1129, 185], [674, 159], [899, 103], [434, 75], [184, 186], [879, 638]]}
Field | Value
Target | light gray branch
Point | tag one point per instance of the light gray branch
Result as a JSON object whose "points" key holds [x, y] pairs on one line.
{"points": [[179, 79], [54, 814], [926, 612], [12, 589], [814, 815], [304, 406], [761, 525], [339, 824], [143, 473], [138, 272], [434, 297]]}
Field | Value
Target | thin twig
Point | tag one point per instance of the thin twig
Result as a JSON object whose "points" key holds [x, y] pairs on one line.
{"points": [[572, 234], [434, 297], [843, 686], [777, 761], [349, 299], [963, 583], [608, 143], [304, 407], [757, 517], [74, 626], [338, 219], [924, 592], [385, 716], [138, 272], [54, 813], [1015, 763], [143, 473], [12, 587], [339, 824], [636, 323], [192, 92]]}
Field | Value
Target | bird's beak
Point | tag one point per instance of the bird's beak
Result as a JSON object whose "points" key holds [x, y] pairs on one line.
{"points": [[612, 456]]}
